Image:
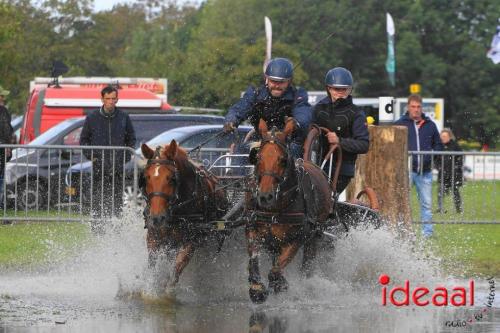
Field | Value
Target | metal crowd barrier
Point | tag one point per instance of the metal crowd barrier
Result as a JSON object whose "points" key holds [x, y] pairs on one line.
{"points": [[59, 183], [468, 187]]}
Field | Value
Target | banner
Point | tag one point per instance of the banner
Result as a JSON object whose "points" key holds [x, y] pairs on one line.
{"points": [[494, 52], [269, 40], [390, 64]]}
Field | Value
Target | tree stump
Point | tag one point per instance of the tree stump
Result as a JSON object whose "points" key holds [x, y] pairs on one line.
{"points": [[385, 169]]}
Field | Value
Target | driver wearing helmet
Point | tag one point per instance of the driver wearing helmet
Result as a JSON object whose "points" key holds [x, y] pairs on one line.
{"points": [[274, 101], [345, 120]]}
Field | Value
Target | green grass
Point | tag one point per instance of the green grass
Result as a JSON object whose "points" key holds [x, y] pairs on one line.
{"points": [[53, 215], [34, 244], [466, 249], [479, 198]]}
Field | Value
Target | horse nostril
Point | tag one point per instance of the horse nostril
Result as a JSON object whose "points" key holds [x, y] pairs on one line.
{"points": [[265, 198], [156, 220]]}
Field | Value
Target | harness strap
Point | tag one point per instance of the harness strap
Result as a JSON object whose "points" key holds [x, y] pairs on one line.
{"points": [[280, 218]]}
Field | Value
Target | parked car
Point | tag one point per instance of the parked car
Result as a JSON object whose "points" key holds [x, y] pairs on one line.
{"points": [[16, 123], [187, 137], [35, 177]]}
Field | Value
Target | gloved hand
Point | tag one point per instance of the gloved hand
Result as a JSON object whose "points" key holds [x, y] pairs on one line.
{"points": [[229, 127]]}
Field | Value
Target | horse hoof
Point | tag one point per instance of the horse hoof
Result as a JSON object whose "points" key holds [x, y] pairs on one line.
{"points": [[277, 282], [258, 293]]}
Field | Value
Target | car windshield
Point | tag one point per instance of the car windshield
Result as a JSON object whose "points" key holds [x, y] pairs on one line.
{"points": [[45, 138], [147, 129], [166, 137]]}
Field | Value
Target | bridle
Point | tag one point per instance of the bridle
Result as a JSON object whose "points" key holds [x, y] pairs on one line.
{"points": [[171, 199], [281, 180]]}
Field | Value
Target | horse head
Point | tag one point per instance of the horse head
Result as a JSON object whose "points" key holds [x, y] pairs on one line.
{"points": [[273, 163], [161, 176]]}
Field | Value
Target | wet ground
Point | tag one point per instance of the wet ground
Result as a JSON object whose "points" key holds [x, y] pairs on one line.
{"points": [[108, 288]]}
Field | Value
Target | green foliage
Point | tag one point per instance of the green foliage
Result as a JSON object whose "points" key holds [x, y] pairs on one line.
{"points": [[478, 198], [211, 53]]}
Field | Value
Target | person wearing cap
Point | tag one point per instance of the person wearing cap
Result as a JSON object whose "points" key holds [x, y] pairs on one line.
{"points": [[5, 137], [346, 122], [273, 101]]}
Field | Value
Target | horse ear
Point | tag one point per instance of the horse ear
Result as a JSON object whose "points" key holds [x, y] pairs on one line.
{"points": [[290, 126], [263, 128], [147, 152], [171, 150]]}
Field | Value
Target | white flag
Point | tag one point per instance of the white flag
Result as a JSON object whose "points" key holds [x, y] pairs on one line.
{"points": [[494, 52], [269, 40], [390, 63]]}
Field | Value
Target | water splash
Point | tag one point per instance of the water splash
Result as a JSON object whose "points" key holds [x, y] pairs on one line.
{"points": [[84, 287]]}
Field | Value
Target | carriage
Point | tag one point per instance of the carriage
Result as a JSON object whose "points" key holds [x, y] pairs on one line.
{"points": [[284, 203]]}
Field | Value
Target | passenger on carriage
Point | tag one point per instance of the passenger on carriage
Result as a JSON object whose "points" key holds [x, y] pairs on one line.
{"points": [[346, 122], [273, 101]]}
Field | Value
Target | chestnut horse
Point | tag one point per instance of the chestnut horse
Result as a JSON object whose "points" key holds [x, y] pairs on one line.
{"points": [[182, 198], [290, 202]]}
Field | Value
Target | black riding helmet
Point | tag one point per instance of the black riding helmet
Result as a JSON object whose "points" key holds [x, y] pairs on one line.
{"points": [[339, 77], [279, 69]]}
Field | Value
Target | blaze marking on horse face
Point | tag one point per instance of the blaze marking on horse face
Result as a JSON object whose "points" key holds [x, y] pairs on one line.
{"points": [[157, 171]]}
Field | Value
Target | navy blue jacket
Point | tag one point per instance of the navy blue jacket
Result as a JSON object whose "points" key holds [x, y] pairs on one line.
{"points": [[423, 136], [100, 129], [349, 123], [295, 100]]}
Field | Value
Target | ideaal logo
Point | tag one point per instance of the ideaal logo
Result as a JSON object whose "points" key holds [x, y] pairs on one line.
{"points": [[440, 296], [423, 296]]}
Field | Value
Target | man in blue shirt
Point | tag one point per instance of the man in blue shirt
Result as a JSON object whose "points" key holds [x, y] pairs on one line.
{"points": [[273, 101], [423, 135]]}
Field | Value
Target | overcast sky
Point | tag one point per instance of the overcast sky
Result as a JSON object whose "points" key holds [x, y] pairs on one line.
{"points": [[108, 4]]}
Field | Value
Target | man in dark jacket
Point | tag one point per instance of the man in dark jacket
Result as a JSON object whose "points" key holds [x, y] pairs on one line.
{"points": [[422, 136], [346, 122], [450, 168], [5, 137], [274, 101], [107, 126]]}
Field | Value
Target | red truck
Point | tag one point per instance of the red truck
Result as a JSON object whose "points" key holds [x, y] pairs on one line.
{"points": [[50, 102]]}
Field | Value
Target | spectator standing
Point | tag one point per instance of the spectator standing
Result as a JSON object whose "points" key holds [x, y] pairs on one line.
{"points": [[423, 136], [107, 126], [450, 171], [5, 137], [345, 120]]}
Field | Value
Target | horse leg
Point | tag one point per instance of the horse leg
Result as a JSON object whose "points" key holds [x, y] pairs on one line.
{"points": [[182, 258], [310, 249], [153, 247], [257, 291], [276, 279]]}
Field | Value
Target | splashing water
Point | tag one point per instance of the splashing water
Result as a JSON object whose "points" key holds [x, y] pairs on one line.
{"points": [[343, 293]]}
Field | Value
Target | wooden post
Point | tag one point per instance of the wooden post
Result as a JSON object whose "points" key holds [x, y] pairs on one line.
{"points": [[385, 169]]}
